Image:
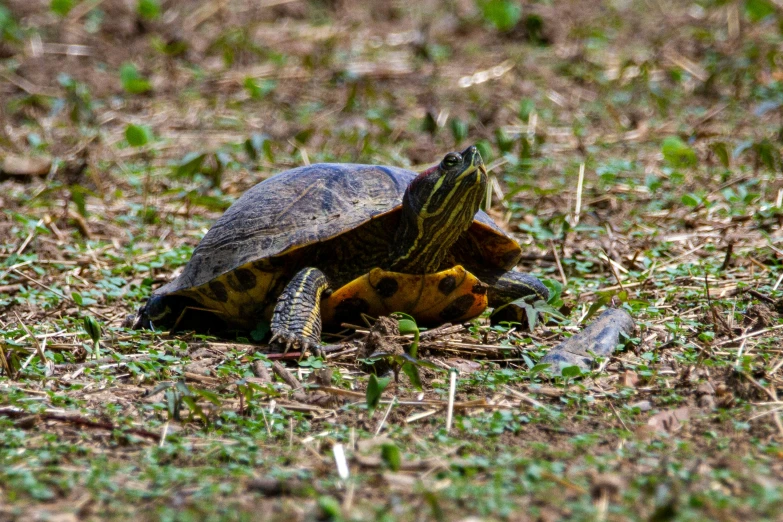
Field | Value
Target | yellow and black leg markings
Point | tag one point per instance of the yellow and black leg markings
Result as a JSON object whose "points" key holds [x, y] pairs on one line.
{"points": [[296, 320]]}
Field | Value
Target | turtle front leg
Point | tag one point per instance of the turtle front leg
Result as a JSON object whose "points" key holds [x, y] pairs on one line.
{"points": [[506, 287], [296, 320]]}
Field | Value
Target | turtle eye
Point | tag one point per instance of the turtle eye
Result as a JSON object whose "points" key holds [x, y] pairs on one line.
{"points": [[452, 159]]}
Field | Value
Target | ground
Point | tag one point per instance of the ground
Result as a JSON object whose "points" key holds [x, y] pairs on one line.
{"points": [[634, 149]]}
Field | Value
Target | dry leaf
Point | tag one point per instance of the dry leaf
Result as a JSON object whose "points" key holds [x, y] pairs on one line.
{"points": [[464, 365], [629, 379], [25, 166], [669, 421], [706, 395], [642, 405]]}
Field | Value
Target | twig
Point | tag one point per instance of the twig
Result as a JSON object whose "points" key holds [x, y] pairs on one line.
{"points": [[260, 371], [6, 366], [613, 268], [777, 283], [557, 262], [284, 374], [62, 296], [452, 391], [776, 414], [82, 9], [579, 186], [772, 395], [38, 346], [163, 433], [27, 86], [11, 411], [29, 238], [339, 458], [13, 267], [530, 400], [727, 259], [617, 415], [385, 416], [748, 336], [444, 329]]}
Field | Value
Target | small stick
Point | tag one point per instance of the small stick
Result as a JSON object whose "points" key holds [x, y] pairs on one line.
{"points": [[740, 350], [559, 265], [758, 295], [768, 412], [614, 271], [260, 371], [727, 259], [348, 500], [38, 346], [531, 127], [7, 366], [78, 420], [617, 415], [775, 414], [60, 295], [452, 390], [776, 367], [579, 186], [284, 374], [777, 283], [163, 434], [385, 415], [444, 329], [266, 422], [29, 238], [82, 9], [14, 267], [339, 458], [748, 336], [530, 400]]}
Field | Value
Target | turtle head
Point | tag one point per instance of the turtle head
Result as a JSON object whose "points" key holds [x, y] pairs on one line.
{"points": [[154, 312], [437, 207]]}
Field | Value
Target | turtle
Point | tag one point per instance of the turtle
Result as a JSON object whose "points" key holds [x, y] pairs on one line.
{"points": [[325, 243]]}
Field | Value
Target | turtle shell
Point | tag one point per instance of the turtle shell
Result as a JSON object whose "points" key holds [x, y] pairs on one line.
{"points": [[303, 207]]}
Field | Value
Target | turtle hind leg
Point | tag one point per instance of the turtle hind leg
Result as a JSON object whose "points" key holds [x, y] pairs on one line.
{"points": [[505, 287], [296, 320]]}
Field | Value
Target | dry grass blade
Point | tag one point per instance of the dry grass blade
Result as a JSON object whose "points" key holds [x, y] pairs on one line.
{"points": [[450, 407], [385, 416], [560, 270], [38, 347]]}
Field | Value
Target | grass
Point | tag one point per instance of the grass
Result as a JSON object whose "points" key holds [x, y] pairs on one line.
{"points": [[128, 129]]}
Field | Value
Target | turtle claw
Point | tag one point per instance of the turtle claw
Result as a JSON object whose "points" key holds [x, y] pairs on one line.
{"points": [[288, 340]]}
